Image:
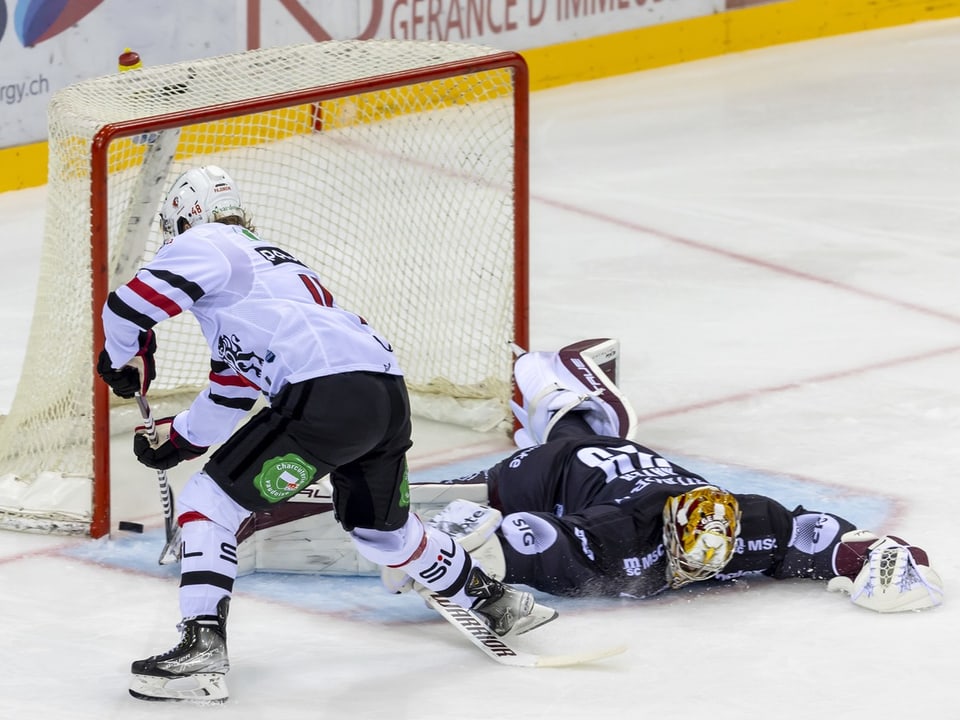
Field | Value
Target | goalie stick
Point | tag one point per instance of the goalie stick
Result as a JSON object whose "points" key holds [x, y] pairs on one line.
{"points": [[142, 208], [159, 151], [171, 550], [500, 649]]}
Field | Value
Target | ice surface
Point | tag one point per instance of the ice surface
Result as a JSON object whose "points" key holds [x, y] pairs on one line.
{"points": [[773, 237]]}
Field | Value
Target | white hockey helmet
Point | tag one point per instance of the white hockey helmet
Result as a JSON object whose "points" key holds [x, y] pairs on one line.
{"points": [[201, 195], [700, 530]]}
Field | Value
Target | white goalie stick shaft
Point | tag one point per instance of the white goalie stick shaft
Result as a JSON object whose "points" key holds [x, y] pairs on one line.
{"points": [[501, 649], [141, 211], [171, 550]]}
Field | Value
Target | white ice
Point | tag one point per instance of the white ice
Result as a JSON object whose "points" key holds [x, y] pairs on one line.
{"points": [[774, 238]]}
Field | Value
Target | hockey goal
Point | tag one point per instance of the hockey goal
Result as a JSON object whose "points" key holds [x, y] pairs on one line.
{"points": [[398, 169]]}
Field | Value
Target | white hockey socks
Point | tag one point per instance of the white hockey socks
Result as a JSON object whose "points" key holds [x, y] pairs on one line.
{"points": [[423, 554], [208, 567], [471, 527], [441, 567]]}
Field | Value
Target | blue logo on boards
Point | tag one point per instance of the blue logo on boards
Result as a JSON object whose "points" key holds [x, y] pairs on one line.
{"points": [[39, 20]]}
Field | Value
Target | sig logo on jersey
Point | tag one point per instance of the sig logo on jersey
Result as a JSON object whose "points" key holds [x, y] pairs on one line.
{"points": [[527, 533], [812, 532], [276, 256]]}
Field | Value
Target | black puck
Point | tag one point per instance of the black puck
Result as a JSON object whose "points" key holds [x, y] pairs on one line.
{"points": [[131, 526]]}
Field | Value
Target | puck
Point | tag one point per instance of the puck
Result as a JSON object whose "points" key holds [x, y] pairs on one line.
{"points": [[131, 526], [129, 60]]}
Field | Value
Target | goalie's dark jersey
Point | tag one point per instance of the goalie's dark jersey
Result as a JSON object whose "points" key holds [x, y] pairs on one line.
{"points": [[583, 516]]}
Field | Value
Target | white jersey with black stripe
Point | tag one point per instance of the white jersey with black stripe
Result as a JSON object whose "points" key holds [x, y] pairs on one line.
{"points": [[266, 316]]}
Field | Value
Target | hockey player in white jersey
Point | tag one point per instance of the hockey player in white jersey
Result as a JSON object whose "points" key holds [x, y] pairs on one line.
{"points": [[337, 405]]}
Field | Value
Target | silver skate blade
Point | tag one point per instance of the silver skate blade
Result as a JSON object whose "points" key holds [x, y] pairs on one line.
{"points": [[540, 615], [200, 689]]}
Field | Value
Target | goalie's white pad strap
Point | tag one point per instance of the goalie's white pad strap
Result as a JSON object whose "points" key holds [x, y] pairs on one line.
{"points": [[892, 580]]}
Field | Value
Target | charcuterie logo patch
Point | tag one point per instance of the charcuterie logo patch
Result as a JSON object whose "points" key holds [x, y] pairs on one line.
{"points": [[283, 477]]}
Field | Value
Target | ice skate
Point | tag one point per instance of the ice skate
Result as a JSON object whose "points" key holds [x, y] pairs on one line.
{"points": [[192, 671], [504, 609], [580, 377]]}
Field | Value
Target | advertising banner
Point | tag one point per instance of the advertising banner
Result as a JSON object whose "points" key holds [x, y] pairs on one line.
{"points": [[46, 45], [505, 24]]}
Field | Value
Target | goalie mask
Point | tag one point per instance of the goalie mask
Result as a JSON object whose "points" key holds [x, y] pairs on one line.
{"points": [[700, 528], [201, 195]]}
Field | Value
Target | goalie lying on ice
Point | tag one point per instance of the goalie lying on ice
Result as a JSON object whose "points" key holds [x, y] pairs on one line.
{"points": [[582, 510]]}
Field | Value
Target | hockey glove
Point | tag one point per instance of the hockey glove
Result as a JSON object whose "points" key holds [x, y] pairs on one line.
{"points": [[170, 453], [136, 376], [884, 574]]}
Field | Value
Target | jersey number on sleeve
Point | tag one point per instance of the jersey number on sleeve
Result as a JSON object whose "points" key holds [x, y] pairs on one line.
{"points": [[320, 295]]}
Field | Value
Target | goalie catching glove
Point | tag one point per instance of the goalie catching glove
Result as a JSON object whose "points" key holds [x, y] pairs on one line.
{"points": [[171, 450], [134, 377], [884, 574]]}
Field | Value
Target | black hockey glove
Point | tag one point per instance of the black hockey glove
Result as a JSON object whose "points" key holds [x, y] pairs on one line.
{"points": [[136, 376], [167, 454]]}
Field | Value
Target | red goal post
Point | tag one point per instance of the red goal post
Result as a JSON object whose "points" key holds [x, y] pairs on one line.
{"points": [[398, 169]]}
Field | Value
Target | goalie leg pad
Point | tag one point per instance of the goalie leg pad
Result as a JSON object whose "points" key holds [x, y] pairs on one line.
{"points": [[579, 377], [474, 528]]}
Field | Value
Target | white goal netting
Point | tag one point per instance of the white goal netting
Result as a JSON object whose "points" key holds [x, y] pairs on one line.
{"points": [[397, 169]]}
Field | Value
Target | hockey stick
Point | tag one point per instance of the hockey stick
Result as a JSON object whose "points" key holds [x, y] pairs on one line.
{"points": [[160, 150], [499, 648], [171, 550]]}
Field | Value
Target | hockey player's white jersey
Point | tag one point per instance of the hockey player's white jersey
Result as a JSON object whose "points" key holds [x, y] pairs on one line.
{"points": [[268, 320]]}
